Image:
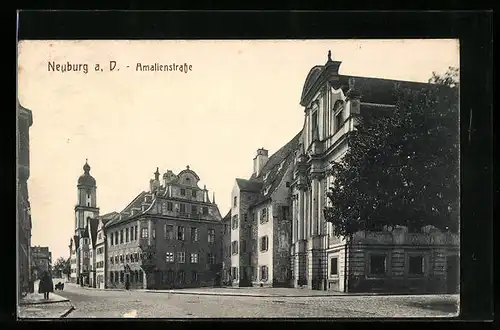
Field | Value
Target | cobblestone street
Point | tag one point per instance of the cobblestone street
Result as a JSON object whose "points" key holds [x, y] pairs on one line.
{"points": [[94, 303]]}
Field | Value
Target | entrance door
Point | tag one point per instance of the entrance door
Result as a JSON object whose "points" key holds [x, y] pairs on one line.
{"points": [[452, 274]]}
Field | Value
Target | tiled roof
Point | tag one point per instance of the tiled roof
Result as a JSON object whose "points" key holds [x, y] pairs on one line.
{"points": [[249, 185], [127, 211], [227, 217], [93, 223], [108, 216], [379, 90], [272, 173]]}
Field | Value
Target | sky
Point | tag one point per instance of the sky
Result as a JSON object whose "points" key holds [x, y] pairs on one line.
{"points": [[238, 96]]}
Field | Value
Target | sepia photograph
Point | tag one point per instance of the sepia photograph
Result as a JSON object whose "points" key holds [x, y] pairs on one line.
{"points": [[187, 179]]}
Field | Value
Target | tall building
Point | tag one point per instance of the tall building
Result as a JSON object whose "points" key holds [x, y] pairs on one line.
{"points": [[81, 244], [261, 226], [419, 259], [167, 237], [24, 122]]}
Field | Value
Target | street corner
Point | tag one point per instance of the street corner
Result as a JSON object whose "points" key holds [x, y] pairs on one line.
{"points": [[45, 311]]}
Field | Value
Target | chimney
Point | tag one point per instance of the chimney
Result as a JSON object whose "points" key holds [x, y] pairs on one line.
{"points": [[260, 160]]}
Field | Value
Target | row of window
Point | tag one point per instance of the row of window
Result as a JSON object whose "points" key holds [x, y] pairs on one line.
{"points": [[263, 218], [168, 233], [181, 258], [263, 272], [378, 265], [169, 277], [133, 257], [124, 236], [119, 276], [263, 245], [166, 207]]}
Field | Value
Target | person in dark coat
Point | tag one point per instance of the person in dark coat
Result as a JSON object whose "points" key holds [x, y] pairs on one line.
{"points": [[46, 285], [127, 284]]}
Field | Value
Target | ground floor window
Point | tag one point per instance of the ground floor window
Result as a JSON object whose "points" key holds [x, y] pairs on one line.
{"points": [[378, 264], [111, 277], [334, 266], [182, 276], [263, 273], [416, 265], [122, 276], [234, 273], [194, 276]]}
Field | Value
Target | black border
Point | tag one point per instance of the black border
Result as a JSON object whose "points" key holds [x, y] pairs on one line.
{"points": [[473, 28]]}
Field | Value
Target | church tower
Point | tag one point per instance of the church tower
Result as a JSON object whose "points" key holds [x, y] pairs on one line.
{"points": [[86, 206]]}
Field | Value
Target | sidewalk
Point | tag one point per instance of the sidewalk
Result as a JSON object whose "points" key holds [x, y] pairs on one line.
{"points": [[33, 305]]}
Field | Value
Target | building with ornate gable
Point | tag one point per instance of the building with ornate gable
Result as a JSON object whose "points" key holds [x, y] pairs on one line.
{"points": [[167, 237]]}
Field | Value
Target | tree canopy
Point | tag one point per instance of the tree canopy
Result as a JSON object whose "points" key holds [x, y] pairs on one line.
{"points": [[62, 266], [401, 168]]}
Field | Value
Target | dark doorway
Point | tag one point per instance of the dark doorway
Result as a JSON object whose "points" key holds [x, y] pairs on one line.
{"points": [[452, 274]]}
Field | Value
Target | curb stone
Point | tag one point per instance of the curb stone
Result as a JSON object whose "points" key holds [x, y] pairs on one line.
{"points": [[71, 309]]}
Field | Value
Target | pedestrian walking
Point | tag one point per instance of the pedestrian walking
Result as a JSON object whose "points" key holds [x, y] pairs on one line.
{"points": [[127, 283], [46, 285]]}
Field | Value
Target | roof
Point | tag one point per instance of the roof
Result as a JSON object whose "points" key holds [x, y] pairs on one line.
{"points": [[372, 90], [93, 223], [272, 173], [108, 216], [86, 179], [126, 213], [227, 217], [249, 185]]}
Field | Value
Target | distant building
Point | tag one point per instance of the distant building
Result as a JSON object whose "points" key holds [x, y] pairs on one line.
{"points": [[261, 221], [25, 120], [167, 237], [42, 260]]}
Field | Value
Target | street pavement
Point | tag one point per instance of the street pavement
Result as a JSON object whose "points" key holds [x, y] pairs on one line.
{"points": [[96, 303]]}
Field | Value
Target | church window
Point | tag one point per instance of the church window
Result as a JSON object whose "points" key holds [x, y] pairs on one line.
{"points": [[314, 121], [194, 209], [121, 236], [170, 206], [183, 208], [126, 235], [183, 192], [135, 232], [193, 193], [116, 238], [235, 201]]}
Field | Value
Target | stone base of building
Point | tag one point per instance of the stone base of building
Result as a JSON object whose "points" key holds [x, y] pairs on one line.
{"points": [[397, 285]]}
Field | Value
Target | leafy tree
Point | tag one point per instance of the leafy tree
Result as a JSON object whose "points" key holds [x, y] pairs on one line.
{"points": [[401, 168], [62, 266], [450, 77]]}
